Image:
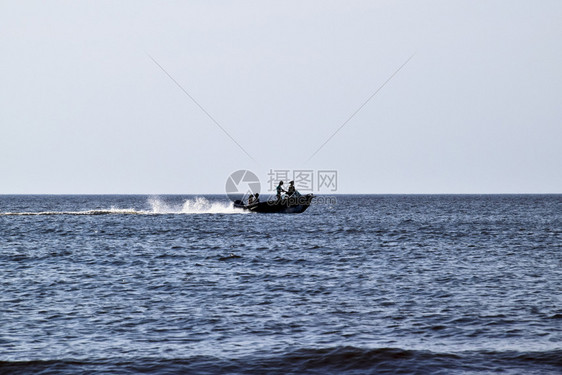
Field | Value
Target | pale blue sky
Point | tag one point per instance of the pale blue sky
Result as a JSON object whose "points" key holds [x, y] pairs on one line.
{"points": [[83, 109]]}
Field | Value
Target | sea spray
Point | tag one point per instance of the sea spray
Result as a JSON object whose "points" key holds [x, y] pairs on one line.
{"points": [[198, 205]]}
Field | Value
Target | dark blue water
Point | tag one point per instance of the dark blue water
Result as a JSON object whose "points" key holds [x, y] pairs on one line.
{"points": [[370, 284]]}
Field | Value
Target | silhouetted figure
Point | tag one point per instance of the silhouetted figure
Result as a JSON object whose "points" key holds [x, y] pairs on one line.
{"points": [[280, 190], [257, 198], [250, 199], [291, 190]]}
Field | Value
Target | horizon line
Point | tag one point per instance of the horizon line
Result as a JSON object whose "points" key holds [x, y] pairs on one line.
{"points": [[272, 193]]}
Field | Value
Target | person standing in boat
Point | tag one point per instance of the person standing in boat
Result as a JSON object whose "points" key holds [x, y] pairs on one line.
{"points": [[257, 198], [280, 190], [291, 190], [250, 199]]}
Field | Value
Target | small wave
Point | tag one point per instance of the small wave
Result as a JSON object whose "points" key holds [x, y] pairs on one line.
{"points": [[338, 360], [198, 205]]}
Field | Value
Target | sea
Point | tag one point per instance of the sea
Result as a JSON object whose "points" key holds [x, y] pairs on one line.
{"points": [[357, 284]]}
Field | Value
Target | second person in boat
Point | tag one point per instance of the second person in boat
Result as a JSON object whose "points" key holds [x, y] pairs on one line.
{"points": [[291, 190]]}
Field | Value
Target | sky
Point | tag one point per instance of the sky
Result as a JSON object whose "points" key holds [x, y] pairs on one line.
{"points": [[85, 109]]}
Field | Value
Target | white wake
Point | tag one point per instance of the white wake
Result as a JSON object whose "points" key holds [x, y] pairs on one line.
{"points": [[199, 205]]}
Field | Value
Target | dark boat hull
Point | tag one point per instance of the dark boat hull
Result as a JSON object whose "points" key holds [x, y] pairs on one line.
{"points": [[293, 205]]}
